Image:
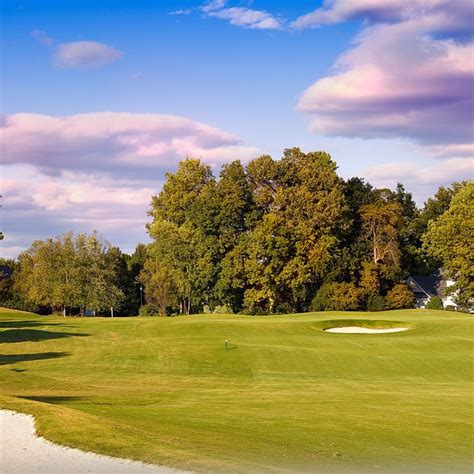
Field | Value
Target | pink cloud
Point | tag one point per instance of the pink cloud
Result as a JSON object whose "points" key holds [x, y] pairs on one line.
{"points": [[39, 206], [113, 142], [445, 14], [397, 81]]}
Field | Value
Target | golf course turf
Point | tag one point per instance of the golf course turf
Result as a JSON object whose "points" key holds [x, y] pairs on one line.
{"points": [[285, 395]]}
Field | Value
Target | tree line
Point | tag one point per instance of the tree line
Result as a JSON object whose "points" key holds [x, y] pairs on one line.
{"points": [[274, 236]]}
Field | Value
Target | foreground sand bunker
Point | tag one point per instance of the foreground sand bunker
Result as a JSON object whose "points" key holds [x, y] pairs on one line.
{"points": [[361, 330], [23, 452]]}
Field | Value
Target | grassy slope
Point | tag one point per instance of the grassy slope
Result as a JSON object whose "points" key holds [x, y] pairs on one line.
{"points": [[286, 394]]}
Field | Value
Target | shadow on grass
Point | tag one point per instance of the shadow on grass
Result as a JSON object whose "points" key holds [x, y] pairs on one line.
{"points": [[52, 399], [20, 324], [34, 335], [6, 359]]}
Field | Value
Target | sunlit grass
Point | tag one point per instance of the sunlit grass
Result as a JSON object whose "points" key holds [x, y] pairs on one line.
{"points": [[286, 395]]}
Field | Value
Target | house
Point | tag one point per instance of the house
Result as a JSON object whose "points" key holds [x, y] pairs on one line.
{"points": [[5, 272], [427, 286]]}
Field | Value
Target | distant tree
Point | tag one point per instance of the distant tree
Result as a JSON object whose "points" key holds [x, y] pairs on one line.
{"points": [[159, 284], [449, 239], [416, 259], [380, 224], [337, 297], [435, 302], [370, 279], [68, 272]]}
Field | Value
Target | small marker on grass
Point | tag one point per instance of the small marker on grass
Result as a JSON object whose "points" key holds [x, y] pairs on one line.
{"points": [[226, 344]]}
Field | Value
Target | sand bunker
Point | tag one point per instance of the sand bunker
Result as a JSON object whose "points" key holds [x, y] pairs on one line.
{"points": [[360, 330], [23, 452]]}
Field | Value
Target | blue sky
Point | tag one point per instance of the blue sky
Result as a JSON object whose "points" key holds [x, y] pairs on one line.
{"points": [[370, 82]]}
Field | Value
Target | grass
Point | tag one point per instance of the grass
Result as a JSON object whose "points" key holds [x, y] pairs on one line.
{"points": [[285, 396]]}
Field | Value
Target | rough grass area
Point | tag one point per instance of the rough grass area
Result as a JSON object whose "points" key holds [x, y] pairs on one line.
{"points": [[286, 395]]}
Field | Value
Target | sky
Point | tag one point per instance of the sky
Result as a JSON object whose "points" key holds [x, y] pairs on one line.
{"points": [[99, 99]]}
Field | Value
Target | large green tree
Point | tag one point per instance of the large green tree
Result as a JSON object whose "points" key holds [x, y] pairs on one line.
{"points": [[184, 232], [449, 238]]}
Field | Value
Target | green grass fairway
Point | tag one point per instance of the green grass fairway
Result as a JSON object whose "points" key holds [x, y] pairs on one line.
{"points": [[285, 396]]}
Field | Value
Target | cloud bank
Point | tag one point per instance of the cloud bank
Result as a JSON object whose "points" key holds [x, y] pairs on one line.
{"points": [[402, 78], [95, 171], [114, 142]]}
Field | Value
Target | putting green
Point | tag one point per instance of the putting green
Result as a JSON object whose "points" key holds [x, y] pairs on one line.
{"points": [[285, 395]]}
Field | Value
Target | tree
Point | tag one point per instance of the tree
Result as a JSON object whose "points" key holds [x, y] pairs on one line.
{"points": [[400, 297], [449, 239], [337, 297], [159, 284], [380, 222], [185, 234], [291, 247], [68, 272]]}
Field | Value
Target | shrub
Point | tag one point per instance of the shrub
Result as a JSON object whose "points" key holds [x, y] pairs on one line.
{"points": [[400, 297], [206, 309], [149, 310], [375, 303], [337, 297], [435, 302], [223, 309], [21, 305]]}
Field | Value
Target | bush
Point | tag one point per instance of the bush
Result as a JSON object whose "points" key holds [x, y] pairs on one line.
{"points": [[337, 297], [16, 303], [206, 309], [435, 302], [149, 310], [400, 297], [254, 311], [375, 303], [223, 309]]}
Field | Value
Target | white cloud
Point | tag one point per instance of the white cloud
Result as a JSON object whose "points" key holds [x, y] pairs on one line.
{"points": [[213, 5], [420, 178], [240, 16], [182, 11], [247, 18], [85, 55], [42, 37]]}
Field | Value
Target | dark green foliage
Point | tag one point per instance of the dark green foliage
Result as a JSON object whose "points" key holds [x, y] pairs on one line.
{"points": [[21, 305], [149, 310], [435, 302], [375, 303]]}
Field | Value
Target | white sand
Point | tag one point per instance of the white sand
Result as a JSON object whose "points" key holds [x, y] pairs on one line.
{"points": [[23, 452], [359, 330]]}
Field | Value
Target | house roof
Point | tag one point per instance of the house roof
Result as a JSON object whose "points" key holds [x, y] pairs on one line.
{"points": [[429, 284], [5, 271]]}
